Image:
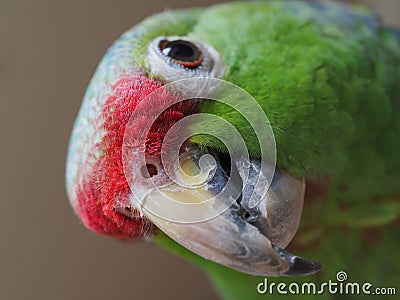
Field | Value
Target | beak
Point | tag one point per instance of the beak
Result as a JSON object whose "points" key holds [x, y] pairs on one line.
{"points": [[221, 215]]}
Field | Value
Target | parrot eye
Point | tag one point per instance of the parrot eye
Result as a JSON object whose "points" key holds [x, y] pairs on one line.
{"points": [[177, 58], [182, 52]]}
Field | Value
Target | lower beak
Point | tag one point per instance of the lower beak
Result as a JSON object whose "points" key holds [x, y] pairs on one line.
{"points": [[217, 220]]}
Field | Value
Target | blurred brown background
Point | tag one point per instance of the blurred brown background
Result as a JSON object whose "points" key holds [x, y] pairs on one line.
{"points": [[49, 50]]}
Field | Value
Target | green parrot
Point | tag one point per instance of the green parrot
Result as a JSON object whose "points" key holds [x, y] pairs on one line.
{"points": [[309, 89]]}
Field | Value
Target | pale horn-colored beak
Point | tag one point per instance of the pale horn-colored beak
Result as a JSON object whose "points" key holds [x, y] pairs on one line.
{"points": [[215, 218]]}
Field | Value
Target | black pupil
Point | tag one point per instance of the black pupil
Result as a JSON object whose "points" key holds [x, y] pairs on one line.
{"points": [[180, 50]]}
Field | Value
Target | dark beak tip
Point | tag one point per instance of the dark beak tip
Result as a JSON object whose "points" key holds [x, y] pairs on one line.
{"points": [[303, 266]]}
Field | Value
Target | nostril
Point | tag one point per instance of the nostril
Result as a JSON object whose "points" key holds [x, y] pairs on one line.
{"points": [[246, 215], [149, 170], [125, 209]]}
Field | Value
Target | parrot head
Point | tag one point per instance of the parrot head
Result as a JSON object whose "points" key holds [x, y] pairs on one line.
{"points": [[138, 165]]}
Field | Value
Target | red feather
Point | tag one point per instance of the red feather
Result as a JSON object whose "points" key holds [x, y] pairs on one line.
{"points": [[106, 185]]}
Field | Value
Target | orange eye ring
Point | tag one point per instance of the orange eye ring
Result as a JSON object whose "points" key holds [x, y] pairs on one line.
{"points": [[182, 52]]}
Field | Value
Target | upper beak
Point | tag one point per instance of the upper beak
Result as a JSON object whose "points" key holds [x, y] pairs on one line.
{"points": [[212, 214]]}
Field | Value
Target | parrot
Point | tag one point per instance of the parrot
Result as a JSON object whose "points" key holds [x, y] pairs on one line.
{"points": [[323, 198]]}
